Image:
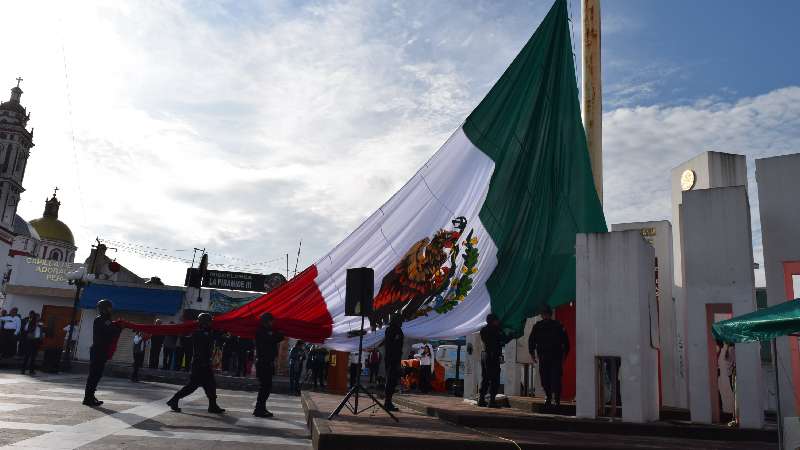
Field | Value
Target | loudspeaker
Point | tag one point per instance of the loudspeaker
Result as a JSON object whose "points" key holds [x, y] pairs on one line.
{"points": [[359, 291]]}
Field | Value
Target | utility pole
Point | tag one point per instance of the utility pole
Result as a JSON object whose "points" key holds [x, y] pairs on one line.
{"points": [[592, 92]]}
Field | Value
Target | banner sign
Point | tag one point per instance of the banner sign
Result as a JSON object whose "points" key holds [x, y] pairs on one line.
{"points": [[236, 281], [221, 303]]}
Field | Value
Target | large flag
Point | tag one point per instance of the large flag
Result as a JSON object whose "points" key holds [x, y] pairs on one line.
{"points": [[486, 225]]}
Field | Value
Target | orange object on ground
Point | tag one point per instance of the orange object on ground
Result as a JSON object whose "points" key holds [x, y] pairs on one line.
{"points": [[412, 379], [438, 381]]}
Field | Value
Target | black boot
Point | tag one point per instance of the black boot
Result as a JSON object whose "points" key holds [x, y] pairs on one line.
{"points": [[262, 413], [90, 400], [173, 404], [214, 408]]}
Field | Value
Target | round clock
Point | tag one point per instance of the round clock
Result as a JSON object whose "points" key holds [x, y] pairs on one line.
{"points": [[688, 179]]}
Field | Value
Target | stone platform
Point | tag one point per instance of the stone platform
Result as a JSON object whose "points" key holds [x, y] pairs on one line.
{"points": [[443, 422], [662, 434]]}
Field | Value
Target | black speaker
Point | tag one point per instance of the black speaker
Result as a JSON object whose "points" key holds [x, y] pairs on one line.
{"points": [[359, 291]]}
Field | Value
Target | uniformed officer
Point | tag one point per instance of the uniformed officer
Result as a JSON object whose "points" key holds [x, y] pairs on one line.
{"points": [[393, 342], [267, 341], [104, 335], [202, 373], [549, 341], [493, 340]]}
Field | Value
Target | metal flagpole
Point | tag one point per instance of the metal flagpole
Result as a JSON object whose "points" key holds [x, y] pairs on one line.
{"points": [[778, 414], [592, 92]]}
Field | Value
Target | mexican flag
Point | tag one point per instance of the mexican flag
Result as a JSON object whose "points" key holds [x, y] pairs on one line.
{"points": [[486, 225]]}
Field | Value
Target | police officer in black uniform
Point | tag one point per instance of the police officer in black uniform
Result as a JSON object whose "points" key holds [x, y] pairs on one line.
{"points": [[267, 341], [549, 341], [104, 334], [393, 342], [493, 340], [202, 373]]}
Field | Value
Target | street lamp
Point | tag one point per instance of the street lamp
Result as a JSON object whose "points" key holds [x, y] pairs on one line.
{"points": [[79, 278]]}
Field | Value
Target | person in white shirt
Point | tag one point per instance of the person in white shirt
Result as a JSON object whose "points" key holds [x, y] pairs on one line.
{"points": [[31, 337], [139, 346], [425, 362], [70, 346], [12, 324]]}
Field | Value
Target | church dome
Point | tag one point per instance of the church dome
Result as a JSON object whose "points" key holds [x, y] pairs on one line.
{"points": [[49, 227]]}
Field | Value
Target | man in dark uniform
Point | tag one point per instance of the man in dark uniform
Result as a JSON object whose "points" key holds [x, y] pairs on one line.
{"points": [[549, 341], [104, 335], [267, 341], [493, 340], [156, 342], [202, 373], [393, 343]]}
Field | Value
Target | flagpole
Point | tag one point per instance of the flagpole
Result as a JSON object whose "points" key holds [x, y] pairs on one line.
{"points": [[592, 92], [778, 414]]}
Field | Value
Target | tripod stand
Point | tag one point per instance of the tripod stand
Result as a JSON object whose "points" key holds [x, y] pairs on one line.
{"points": [[358, 388]]}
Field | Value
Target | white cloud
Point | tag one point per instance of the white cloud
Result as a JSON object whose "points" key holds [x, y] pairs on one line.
{"points": [[642, 144]]}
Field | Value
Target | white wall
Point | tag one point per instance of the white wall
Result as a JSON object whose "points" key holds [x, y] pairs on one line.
{"points": [[659, 235], [718, 270], [779, 205], [712, 170], [615, 294]]}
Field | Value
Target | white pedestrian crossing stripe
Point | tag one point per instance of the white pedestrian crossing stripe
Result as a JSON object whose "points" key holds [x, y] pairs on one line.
{"points": [[287, 429]]}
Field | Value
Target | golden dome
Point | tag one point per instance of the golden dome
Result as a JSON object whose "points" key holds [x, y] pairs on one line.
{"points": [[53, 229], [49, 227]]}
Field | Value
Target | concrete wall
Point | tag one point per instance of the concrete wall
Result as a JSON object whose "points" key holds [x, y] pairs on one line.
{"points": [[712, 170], [779, 205], [615, 294], [718, 277], [659, 235]]}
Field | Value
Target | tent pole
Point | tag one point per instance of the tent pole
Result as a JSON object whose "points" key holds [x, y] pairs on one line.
{"points": [[778, 414]]}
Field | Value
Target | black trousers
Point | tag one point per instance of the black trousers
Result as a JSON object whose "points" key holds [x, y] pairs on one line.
{"points": [[424, 379], [355, 374], [200, 377], [264, 372], [178, 358], [392, 378], [97, 363], [373, 372], [169, 355], [490, 378], [550, 374], [9, 341], [29, 349], [138, 360], [188, 353], [317, 375], [155, 353]]}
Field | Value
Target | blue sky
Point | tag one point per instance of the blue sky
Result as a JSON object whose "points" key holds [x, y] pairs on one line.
{"points": [[243, 127]]}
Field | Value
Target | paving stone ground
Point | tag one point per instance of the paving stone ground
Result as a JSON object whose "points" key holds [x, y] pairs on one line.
{"points": [[45, 412]]}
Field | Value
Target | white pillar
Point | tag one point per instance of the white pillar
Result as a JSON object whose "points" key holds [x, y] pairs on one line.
{"points": [[472, 366], [615, 299], [718, 279]]}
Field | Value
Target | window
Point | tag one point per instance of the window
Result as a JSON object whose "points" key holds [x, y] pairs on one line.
{"points": [[55, 255]]}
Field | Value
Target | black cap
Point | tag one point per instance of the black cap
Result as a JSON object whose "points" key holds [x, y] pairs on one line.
{"points": [[204, 317], [267, 316], [491, 317], [546, 309], [104, 302]]}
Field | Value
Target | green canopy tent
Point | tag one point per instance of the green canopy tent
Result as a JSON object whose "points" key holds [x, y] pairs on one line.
{"points": [[764, 325]]}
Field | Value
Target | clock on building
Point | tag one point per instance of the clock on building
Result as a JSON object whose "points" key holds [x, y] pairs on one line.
{"points": [[688, 179]]}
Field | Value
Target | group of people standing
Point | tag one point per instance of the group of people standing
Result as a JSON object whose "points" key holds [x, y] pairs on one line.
{"points": [[548, 345], [314, 359], [21, 337], [106, 331]]}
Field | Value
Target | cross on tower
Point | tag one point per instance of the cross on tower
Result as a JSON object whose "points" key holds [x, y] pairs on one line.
{"points": [[19, 80], [55, 191]]}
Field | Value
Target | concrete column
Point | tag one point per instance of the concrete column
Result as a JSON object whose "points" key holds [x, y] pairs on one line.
{"points": [[472, 366], [718, 278], [512, 370], [615, 294], [778, 191]]}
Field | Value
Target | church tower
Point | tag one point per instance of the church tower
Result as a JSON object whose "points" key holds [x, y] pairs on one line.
{"points": [[15, 144]]}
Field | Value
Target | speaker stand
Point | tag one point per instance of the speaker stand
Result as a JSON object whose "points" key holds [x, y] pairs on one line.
{"points": [[358, 388]]}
